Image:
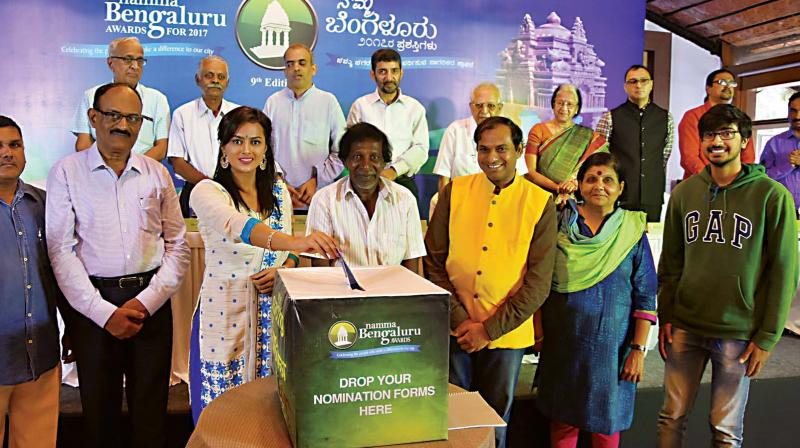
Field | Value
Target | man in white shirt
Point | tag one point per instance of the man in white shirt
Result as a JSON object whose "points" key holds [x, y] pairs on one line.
{"points": [[399, 116], [375, 220], [193, 146], [126, 61], [307, 124], [458, 155]]}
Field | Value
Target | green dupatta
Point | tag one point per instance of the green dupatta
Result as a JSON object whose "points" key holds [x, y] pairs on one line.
{"points": [[581, 261], [560, 156]]}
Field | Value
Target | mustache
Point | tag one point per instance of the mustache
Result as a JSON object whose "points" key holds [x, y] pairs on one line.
{"points": [[215, 84], [120, 131]]}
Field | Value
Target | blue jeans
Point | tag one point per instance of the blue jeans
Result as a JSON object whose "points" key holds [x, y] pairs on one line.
{"points": [[687, 357], [492, 373]]}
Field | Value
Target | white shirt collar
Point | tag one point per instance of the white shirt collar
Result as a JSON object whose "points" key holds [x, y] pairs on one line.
{"points": [[376, 97], [383, 193]]}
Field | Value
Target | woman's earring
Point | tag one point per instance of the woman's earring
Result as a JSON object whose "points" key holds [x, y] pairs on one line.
{"points": [[263, 164], [223, 161]]}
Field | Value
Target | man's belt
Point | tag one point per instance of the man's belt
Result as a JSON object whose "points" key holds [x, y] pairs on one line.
{"points": [[124, 281]]}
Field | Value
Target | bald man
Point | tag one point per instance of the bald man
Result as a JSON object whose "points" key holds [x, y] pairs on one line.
{"points": [[126, 62], [458, 155], [193, 146], [307, 123]]}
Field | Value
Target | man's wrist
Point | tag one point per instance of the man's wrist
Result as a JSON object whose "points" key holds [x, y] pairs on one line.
{"points": [[638, 347]]}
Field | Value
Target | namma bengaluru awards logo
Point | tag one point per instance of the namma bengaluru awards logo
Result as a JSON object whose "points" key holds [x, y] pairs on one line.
{"points": [[342, 335], [266, 28]]}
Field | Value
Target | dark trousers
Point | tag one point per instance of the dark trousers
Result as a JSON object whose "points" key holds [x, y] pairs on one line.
{"points": [[103, 359], [408, 182], [492, 373], [186, 211]]}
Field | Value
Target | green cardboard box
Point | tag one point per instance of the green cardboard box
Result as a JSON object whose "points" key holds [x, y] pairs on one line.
{"points": [[360, 368]]}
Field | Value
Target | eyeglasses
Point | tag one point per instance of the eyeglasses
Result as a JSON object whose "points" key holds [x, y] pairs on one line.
{"points": [[725, 134], [491, 106], [634, 81], [127, 60], [726, 83], [566, 104], [116, 117]]}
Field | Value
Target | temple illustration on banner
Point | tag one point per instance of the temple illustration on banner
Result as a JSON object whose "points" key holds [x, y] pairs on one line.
{"points": [[341, 337], [275, 30], [539, 59]]}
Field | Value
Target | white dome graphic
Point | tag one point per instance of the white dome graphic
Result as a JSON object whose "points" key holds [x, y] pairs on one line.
{"points": [[341, 337], [275, 30]]}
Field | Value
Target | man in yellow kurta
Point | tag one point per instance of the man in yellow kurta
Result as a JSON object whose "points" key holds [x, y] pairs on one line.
{"points": [[491, 243]]}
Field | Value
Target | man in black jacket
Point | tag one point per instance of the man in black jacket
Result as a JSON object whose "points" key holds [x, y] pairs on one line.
{"points": [[640, 134]]}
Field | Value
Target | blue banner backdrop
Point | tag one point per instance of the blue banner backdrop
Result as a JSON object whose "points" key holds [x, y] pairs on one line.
{"points": [[53, 50]]}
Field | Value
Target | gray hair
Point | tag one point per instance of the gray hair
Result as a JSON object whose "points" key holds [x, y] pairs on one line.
{"points": [[213, 57], [115, 43], [486, 85]]}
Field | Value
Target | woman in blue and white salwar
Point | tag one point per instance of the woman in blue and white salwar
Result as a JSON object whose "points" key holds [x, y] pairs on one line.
{"points": [[245, 220]]}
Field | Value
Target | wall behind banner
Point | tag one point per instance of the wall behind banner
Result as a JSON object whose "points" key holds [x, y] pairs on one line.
{"points": [[53, 50]]}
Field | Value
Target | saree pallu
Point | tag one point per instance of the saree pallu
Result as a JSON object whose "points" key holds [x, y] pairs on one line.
{"points": [[562, 154]]}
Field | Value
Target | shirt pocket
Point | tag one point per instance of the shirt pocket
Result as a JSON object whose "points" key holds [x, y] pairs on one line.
{"points": [[150, 214], [315, 134]]}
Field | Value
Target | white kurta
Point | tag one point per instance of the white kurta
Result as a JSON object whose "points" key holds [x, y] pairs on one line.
{"points": [[234, 319]]}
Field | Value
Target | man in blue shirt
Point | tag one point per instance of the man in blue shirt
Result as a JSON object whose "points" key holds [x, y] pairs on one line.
{"points": [[781, 156], [30, 373]]}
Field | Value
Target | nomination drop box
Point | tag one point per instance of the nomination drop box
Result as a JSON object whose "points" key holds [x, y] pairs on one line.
{"points": [[360, 368]]}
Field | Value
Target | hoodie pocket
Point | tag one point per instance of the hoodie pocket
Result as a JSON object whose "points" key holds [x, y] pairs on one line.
{"points": [[718, 303]]}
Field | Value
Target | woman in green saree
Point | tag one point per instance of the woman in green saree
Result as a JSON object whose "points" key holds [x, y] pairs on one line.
{"points": [[557, 148]]}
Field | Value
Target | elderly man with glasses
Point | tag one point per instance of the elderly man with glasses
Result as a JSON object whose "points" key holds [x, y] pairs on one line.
{"points": [[720, 88], [458, 155], [126, 61], [640, 135]]}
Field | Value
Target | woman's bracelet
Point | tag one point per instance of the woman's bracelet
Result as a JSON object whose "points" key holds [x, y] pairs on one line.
{"points": [[269, 239], [538, 340], [291, 256]]}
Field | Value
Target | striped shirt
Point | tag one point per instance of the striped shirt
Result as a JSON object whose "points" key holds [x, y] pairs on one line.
{"points": [[101, 225], [392, 235]]}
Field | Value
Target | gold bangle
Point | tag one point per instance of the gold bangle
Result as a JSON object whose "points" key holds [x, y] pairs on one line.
{"points": [[269, 239]]}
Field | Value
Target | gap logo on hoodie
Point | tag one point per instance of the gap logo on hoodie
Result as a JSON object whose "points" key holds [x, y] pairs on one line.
{"points": [[742, 228]]}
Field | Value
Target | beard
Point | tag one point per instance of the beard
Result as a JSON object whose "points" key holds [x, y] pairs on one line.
{"points": [[389, 87]]}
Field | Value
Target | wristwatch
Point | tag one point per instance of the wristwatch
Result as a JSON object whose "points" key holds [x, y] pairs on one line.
{"points": [[641, 348]]}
